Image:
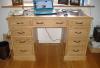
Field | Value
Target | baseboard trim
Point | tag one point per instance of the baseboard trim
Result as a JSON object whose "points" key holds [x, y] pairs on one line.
{"points": [[24, 58], [74, 58]]}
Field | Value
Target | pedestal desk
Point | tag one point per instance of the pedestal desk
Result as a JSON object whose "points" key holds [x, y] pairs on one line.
{"points": [[75, 35]]}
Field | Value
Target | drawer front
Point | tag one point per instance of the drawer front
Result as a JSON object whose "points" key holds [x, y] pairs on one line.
{"points": [[20, 21], [22, 41], [77, 42], [75, 51], [79, 23], [21, 31], [23, 50], [49, 23], [78, 32]]}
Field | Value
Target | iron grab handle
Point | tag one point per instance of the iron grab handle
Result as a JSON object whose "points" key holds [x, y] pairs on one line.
{"points": [[59, 22], [77, 50], [20, 32], [39, 23], [77, 41], [23, 50], [78, 32], [22, 41], [79, 22], [20, 22]]}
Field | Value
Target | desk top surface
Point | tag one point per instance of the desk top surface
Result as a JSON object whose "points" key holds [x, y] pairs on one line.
{"points": [[61, 13]]}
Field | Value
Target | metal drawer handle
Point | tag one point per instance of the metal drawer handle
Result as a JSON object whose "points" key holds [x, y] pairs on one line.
{"points": [[77, 41], [20, 22], [22, 41], [39, 23], [78, 32], [20, 32], [79, 22], [23, 50], [77, 50], [59, 22]]}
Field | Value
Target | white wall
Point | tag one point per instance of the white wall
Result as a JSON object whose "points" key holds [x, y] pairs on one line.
{"points": [[6, 2], [3, 21], [93, 12], [96, 12]]}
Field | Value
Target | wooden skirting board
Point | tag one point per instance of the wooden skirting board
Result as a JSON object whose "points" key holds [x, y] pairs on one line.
{"points": [[68, 58], [25, 58], [94, 50]]}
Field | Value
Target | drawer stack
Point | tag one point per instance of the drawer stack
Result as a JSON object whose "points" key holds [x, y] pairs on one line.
{"points": [[22, 38], [78, 32]]}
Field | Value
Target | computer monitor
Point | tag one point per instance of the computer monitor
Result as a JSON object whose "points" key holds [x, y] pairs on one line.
{"points": [[43, 4], [43, 7]]}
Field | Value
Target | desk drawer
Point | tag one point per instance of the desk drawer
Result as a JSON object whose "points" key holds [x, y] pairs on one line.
{"points": [[78, 32], [25, 50], [21, 31], [22, 41], [49, 23], [20, 21], [77, 42], [79, 23], [75, 51]]}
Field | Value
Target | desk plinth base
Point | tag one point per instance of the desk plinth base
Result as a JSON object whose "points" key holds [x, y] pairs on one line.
{"points": [[24, 58], [70, 58]]}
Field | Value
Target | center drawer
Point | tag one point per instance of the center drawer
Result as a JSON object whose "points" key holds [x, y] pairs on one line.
{"points": [[49, 23]]}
